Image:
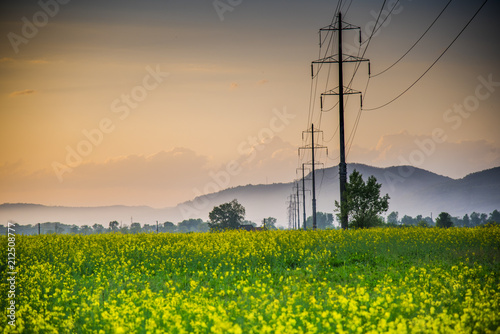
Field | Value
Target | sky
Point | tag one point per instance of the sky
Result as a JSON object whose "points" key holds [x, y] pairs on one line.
{"points": [[156, 102]]}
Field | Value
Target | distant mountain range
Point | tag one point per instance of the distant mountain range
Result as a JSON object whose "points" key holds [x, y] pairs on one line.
{"points": [[412, 190]]}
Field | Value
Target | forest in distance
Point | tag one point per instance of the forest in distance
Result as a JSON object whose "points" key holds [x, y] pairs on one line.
{"points": [[325, 221]]}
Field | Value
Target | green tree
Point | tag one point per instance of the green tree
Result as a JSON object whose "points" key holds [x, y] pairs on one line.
{"points": [[227, 216], [392, 218], [113, 226], [203, 227], [422, 223], [444, 220], [98, 228], [135, 228], [363, 203], [189, 225], [74, 229], [323, 221], [269, 223], [169, 227], [494, 217], [85, 229], [407, 220], [466, 220]]}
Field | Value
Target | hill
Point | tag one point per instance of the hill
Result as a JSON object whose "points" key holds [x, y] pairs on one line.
{"points": [[412, 190]]}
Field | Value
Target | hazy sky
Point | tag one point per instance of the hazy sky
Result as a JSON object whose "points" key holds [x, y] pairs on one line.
{"points": [[155, 102]]}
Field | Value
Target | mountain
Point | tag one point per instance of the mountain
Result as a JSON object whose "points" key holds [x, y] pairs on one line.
{"points": [[412, 190]]}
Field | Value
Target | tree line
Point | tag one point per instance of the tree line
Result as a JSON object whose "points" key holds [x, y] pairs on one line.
{"points": [[363, 206]]}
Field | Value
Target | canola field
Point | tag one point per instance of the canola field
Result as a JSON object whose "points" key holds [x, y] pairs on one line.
{"points": [[413, 280]]}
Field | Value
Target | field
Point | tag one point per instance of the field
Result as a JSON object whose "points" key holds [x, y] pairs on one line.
{"points": [[359, 281]]}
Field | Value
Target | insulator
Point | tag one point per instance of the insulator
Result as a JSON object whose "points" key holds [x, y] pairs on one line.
{"points": [[361, 100], [360, 37], [319, 34], [369, 69], [312, 70], [321, 102]]}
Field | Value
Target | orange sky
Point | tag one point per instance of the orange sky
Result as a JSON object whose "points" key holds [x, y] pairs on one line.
{"points": [[144, 104]]}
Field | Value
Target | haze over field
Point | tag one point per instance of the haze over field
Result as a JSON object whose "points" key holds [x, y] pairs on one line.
{"points": [[157, 102]]}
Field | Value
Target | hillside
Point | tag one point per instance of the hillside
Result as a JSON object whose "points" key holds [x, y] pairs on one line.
{"points": [[413, 191]]}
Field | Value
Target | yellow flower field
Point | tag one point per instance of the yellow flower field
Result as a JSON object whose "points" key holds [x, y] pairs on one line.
{"points": [[414, 280]]}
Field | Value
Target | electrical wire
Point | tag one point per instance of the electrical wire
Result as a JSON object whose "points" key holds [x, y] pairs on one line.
{"points": [[356, 123], [434, 63], [382, 23], [418, 40]]}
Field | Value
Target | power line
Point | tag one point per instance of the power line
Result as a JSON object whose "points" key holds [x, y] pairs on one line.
{"points": [[418, 40], [375, 28], [434, 63]]}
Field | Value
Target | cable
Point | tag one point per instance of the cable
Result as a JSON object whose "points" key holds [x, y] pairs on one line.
{"points": [[434, 63], [348, 7], [418, 40], [381, 24]]}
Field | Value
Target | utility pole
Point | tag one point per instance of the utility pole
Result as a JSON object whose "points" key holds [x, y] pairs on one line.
{"points": [[290, 219], [296, 186], [298, 207], [156, 227], [340, 59], [313, 147], [304, 196]]}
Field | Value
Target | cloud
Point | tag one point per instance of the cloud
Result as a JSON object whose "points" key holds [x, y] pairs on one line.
{"points": [[23, 92], [22, 61], [162, 179], [274, 160], [233, 85], [38, 61], [263, 82]]}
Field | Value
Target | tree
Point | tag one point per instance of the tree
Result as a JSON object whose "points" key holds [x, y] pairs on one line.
{"points": [[226, 216], [135, 228], [98, 228], [484, 218], [269, 223], [422, 223], [444, 220], [113, 226], [392, 218], [148, 228], [494, 217], [475, 219], [248, 222], [85, 229], [189, 225], [74, 229], [407, 220], [169, 227], [363, 202], [58, 228], [466, 220], [203, 227], [323, 221]]}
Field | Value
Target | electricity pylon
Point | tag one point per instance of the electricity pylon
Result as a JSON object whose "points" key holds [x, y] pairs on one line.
{"points": [[339, 59], [313, 147]]}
